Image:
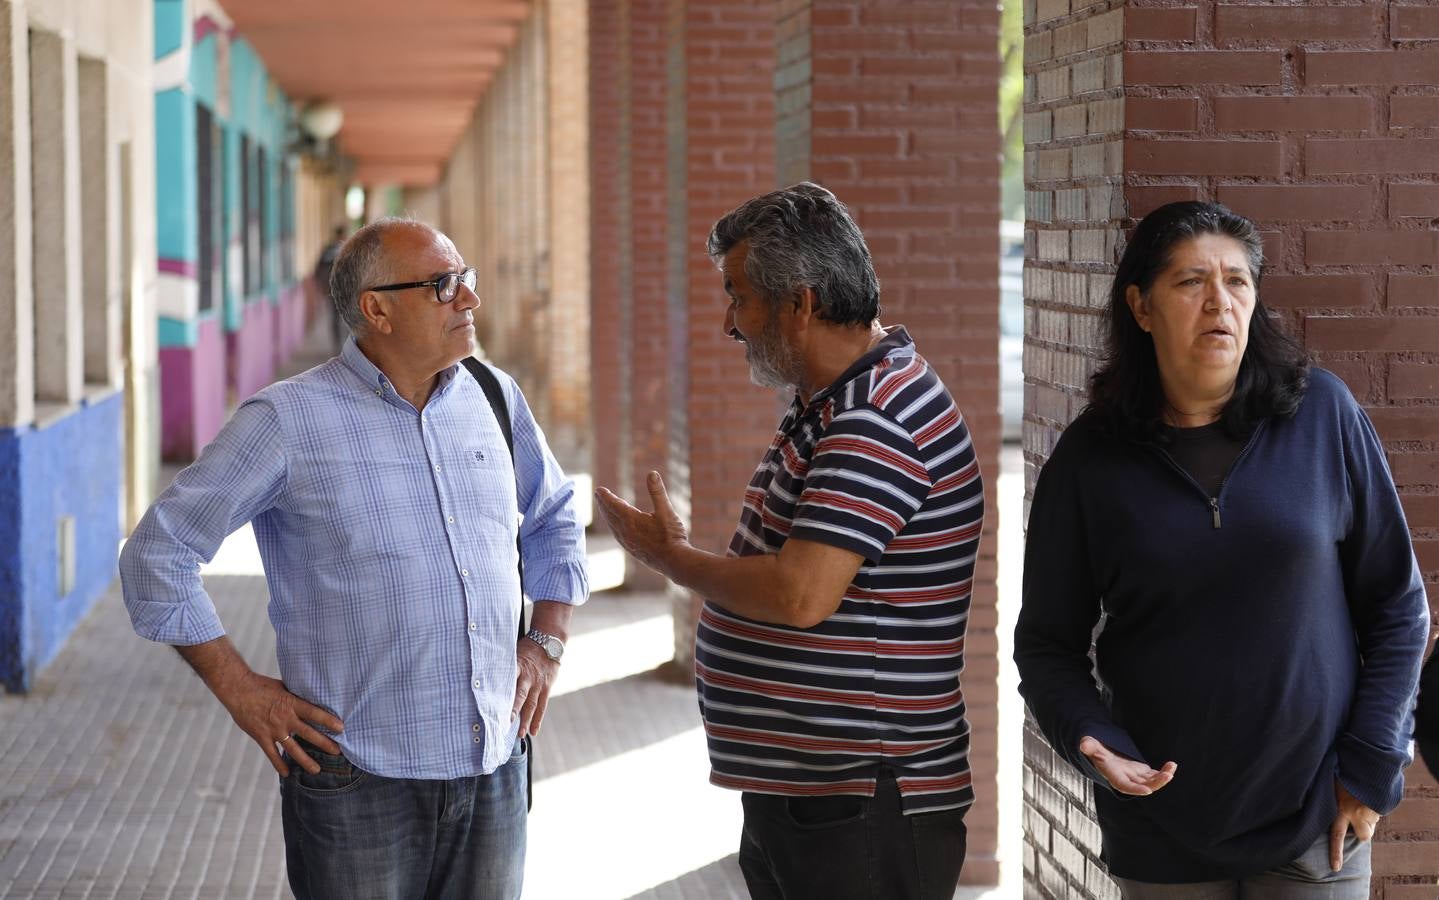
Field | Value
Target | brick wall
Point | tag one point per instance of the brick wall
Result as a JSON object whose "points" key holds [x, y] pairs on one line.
{"points": [[567, 236], [893, 106], [649, 336], [1317, 121], [1072, 172], [609, 347], [720, 152]]}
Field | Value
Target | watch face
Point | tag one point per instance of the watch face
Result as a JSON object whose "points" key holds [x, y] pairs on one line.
{"points": [[552, 645]]}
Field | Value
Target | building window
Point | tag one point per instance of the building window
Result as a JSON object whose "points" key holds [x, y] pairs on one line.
{"points": [[262, 220], [207, 153]]}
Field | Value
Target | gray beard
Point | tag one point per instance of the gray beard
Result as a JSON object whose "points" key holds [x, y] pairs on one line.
{"points": [[771, 363]]}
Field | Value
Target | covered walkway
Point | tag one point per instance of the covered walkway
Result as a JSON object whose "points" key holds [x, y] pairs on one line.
{"points": [[122, 777]]}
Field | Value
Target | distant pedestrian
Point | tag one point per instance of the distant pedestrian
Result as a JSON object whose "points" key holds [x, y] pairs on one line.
{"points": [[1223, 512], [325, 265], [385, 503]]}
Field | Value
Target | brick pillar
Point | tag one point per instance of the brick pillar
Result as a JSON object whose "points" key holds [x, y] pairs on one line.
{"points": [[1314, 122], [719, 153], [609, 348], [892, 104], [645, 179], [567, 238]]}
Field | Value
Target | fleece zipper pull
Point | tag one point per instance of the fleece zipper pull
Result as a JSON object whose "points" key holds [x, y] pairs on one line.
{"points": [[1214, 507]]}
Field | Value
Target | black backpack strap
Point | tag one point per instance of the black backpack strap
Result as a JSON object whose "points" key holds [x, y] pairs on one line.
{"points": [[496, 395]]}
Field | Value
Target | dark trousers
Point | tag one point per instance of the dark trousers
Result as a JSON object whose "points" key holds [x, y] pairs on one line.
{"points": [[849, 848], [353, 835]]}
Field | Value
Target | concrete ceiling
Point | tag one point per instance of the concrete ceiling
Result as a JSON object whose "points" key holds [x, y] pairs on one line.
{"points": [[407, 73]]}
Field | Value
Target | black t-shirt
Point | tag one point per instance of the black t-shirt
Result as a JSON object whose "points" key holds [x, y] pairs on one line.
{"points": [[1207, 453]]}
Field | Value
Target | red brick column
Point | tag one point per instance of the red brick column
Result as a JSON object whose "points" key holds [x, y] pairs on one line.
{"points": [[719, 153], [1318, 122], [894, 108], [647, 265], [608, 345]]}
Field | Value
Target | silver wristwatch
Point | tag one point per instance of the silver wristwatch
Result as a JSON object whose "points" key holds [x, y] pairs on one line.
{"points": [[554, 647]]}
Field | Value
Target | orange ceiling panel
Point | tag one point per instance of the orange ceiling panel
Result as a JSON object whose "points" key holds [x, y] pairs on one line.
{"points": [[407, 73]]}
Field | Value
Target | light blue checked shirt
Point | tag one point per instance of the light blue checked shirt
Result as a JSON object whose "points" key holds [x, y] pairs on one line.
{"points": [[388, 541]]}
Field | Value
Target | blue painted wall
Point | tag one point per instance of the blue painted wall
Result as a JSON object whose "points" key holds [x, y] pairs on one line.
{"points": [[71, 467]]}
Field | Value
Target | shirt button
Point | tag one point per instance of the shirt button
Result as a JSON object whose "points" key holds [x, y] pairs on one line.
{"points": [[465, 572], [450, 519], [476, 683], [437, 467], [477, 740], [473, 626], [377, 392], [475, 727]]}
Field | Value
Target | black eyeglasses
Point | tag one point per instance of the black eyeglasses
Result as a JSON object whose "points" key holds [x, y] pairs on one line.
{"points": [[446, 286]]}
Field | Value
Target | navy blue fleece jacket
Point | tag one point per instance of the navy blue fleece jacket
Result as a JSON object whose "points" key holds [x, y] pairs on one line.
{"points": [[1267, 646]]}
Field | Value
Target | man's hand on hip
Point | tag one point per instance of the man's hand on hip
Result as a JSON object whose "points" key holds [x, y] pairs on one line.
{"points": [[261, 706], [648, 537], [537, 672], [532, 686], [273, 717]]}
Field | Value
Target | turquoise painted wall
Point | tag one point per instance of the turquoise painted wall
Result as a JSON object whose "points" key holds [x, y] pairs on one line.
{"points": [[205, 70], [170, 25], [176, 176], [257, 110]]}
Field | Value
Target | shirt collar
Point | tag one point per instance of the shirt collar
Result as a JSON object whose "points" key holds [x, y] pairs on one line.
{"points": [[375, 380], [895, 338]]}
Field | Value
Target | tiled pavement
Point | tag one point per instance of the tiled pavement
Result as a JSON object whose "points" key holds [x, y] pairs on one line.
{"points": [[121, 777]]}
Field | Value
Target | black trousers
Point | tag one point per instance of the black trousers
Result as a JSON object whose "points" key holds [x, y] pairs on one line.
{"points": [[849, 848]]}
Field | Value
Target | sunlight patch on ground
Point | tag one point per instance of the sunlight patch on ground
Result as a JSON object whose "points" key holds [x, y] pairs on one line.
{"points": [[619, 651], [610, 830], [607, 567]]}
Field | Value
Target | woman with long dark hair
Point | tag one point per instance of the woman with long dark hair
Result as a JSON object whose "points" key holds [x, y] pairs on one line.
{"points": [[1219, 529]]}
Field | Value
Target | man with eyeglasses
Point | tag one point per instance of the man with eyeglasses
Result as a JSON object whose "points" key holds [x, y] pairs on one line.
{"points": [[386, 506]]}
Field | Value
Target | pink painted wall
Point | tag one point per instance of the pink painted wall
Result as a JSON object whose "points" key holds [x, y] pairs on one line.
{"points": [[253, 354], [192, 393]]}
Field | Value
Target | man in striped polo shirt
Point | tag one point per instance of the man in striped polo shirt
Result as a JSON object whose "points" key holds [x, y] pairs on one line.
{"points": [[829, 647]]}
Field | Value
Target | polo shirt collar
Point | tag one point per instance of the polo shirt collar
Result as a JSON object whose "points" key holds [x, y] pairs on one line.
{"points": [[895, 337]]}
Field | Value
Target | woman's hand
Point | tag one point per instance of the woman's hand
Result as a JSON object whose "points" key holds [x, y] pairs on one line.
{"points": [[1352, 814], [1127, 776]]}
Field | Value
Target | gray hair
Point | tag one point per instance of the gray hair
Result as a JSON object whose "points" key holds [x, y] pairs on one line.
{"points": [[360, 265], [802, 236]]}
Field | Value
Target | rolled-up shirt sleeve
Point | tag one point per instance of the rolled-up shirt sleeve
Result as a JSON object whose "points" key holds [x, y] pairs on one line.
{"points": [[551, 536], [237, 477]]}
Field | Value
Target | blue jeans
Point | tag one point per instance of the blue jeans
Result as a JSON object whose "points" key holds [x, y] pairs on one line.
{"points": [[849, 848], [353, 835], [1306, 878]]}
